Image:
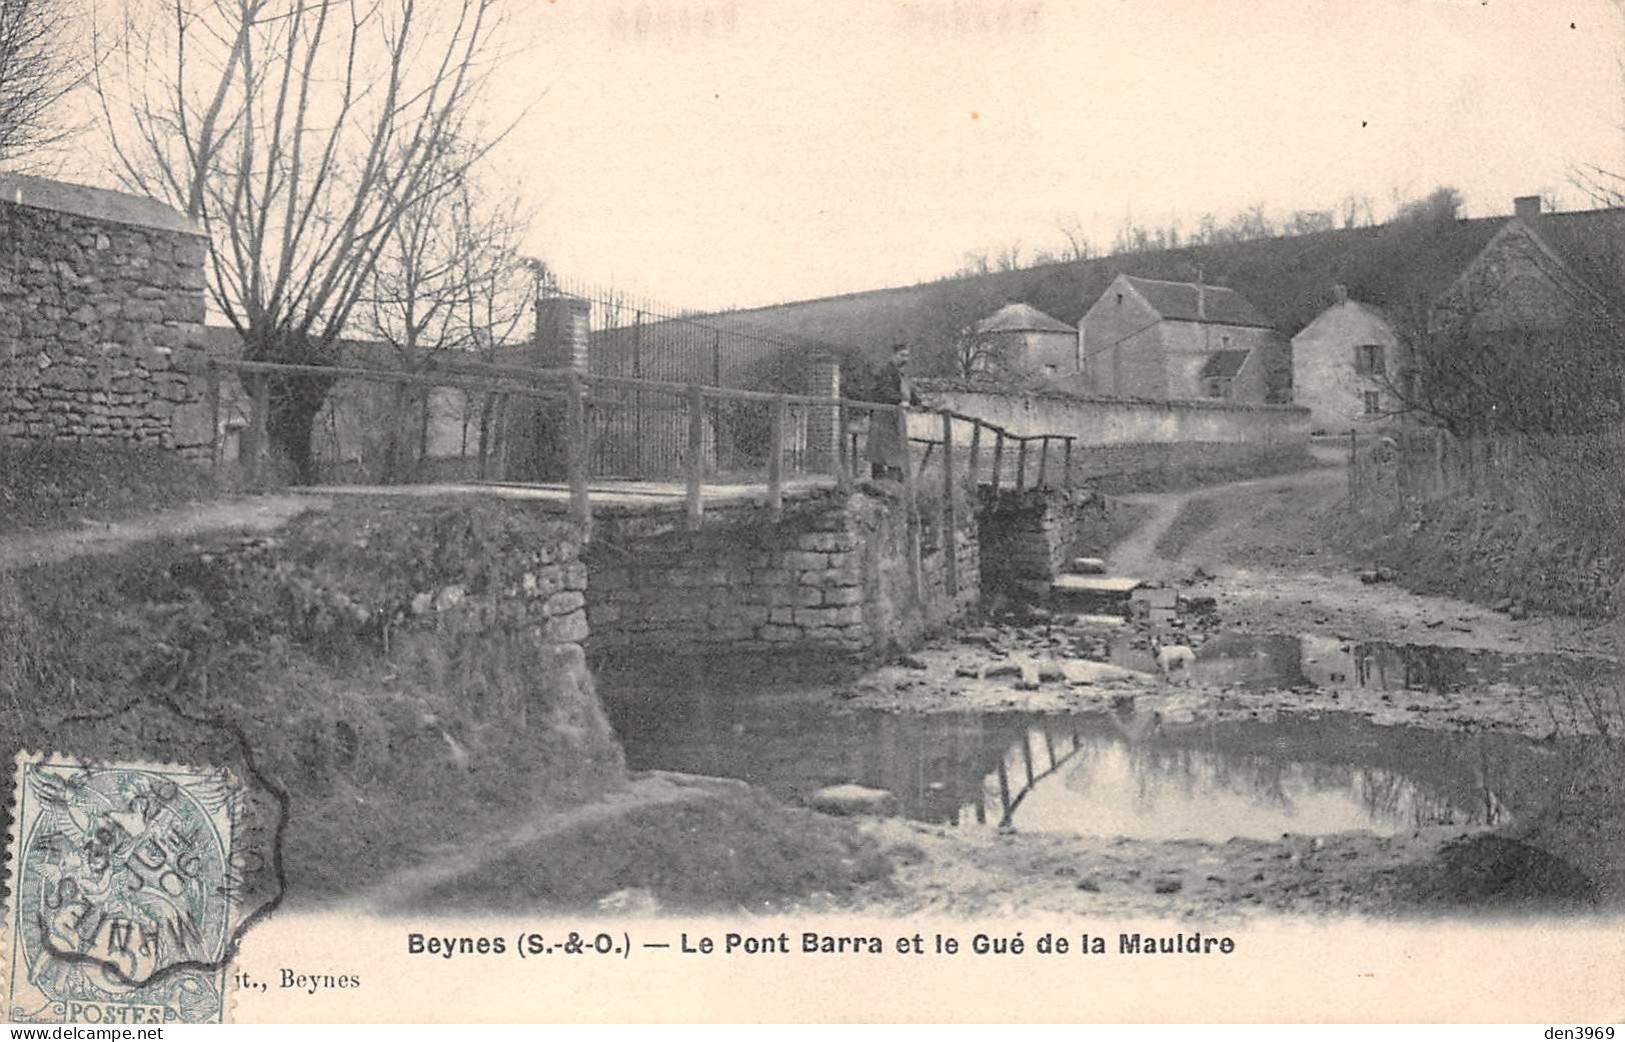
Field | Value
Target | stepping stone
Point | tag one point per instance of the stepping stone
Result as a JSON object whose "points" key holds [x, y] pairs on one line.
{"points": [[852, 799], [1095, 592], [1116, 587], [1163, 598], [1083, 672], [1088, 566]]}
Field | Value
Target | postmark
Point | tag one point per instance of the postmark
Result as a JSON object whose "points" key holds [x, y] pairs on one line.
{"points": [[123, 891]]}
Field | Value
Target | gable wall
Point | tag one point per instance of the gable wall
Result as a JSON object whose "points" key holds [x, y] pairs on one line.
{"points": [[1324, 376]]}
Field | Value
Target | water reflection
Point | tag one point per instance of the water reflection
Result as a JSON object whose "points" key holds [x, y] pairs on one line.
{"points": [[1116, 774], [1100, 784]]}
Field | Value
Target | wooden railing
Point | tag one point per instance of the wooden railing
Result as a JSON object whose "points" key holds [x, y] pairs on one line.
{"points": [[580, 392]]}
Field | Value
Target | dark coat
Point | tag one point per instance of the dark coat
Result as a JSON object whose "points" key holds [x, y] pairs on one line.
{"points": [[888, 431]]}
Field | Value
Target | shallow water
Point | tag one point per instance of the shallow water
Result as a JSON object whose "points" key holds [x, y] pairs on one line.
{"points": [[1123, 773], [1274, 661]]}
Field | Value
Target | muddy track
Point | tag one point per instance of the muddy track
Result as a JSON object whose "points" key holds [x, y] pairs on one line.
{"points": [[1138, 554], [1304, 586], [249, 514]]}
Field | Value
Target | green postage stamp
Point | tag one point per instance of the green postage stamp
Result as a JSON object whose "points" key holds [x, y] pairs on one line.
{"points": [[121, 892]]}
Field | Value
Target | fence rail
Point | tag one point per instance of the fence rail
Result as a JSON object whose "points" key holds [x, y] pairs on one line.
{"points": [[1575, 478], [590, 401]]}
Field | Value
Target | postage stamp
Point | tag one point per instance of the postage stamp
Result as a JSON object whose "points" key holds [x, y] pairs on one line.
{"points": [[121, 892]]}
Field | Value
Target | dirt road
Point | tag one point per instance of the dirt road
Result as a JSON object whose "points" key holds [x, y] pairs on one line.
{"points": [[245, 514]]}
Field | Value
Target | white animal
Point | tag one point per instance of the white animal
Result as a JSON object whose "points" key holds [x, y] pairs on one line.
{"points": [[459, 754], [1173, 658]]}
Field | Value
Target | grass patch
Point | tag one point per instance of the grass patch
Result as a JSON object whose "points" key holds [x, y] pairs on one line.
{"points": [[1119, 521], [1180, 477], [45, 486], [1195, 517], [1489, 550], [277, 639], [736, 851]]}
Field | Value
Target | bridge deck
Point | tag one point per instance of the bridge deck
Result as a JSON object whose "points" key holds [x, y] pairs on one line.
{"points": [[613, 497]]}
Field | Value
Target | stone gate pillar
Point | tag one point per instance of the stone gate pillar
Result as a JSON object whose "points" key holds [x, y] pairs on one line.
{"points": [[823, 380], [536, 432], [561, 333]]}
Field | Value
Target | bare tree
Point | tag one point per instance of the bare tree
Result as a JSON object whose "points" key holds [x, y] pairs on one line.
{"points": [[300, 136], [1308, 222], [1078, 246], [1355, 211], [39, 65], [450, 280]]}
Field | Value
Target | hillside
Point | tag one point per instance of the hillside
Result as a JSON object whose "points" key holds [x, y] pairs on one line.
{"points": [[1289, 279]]}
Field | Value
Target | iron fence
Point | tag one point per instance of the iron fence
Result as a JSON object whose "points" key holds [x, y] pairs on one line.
{"points": [[645, 433]]}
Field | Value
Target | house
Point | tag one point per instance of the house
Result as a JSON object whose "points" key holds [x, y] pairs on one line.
{"points": [[1150, 338], [1022, 339], [1347, 365], [1538, 273]]}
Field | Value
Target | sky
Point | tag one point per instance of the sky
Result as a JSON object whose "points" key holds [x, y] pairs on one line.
{"points": [[736, 152]]}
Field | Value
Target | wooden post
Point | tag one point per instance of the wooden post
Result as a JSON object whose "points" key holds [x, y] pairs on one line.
{"points": [[911, 508], [950, 510], [1043, 462], [696, 455], [1021, 466], [1068, 476], [216, 436], [575, 452], [998, 457], [775, 459], [975, 467], [843, 451], [258, 428], [1354, 466], [1439, 480]]}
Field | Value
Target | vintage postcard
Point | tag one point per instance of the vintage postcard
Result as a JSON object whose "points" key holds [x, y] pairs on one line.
{"points": [[867, 511]]}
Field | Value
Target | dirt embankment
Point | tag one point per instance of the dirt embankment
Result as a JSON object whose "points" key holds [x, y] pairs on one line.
{"points": [[408, 674]]}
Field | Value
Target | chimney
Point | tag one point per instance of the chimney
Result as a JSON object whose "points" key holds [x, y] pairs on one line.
{"points": [[1526, 207], [1340, 293]]}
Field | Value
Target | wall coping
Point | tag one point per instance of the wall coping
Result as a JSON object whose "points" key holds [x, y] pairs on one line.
{"points": [[101, 204], [948, 385]]}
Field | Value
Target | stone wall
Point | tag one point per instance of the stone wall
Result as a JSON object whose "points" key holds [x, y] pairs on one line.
{"points": [[473, 607], [1122, 437], [101, 312], [1029, 537], [832, 574]]}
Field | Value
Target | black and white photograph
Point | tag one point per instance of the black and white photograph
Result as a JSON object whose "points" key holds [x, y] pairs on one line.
{"points": [[878, 511]]}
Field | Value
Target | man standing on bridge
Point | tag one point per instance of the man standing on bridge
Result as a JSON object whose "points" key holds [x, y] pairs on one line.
{"points": [[888, 431]]}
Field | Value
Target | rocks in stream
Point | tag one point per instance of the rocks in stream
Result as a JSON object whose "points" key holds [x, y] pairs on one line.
{"points": [[849, 799]]}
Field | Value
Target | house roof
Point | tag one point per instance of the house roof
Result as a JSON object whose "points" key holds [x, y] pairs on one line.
{"points": [[1375, 313], [1225, 363], [101, 204], [1190, 302], [1022, 318], [1590, 243]]}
